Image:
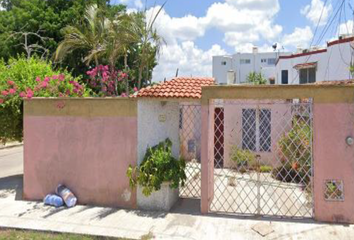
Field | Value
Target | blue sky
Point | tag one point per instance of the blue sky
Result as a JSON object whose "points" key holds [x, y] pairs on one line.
{"points": [[195, 30]]}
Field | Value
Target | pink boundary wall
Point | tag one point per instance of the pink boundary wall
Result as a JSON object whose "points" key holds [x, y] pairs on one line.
{"points": [[89, 154], [333, 160]]}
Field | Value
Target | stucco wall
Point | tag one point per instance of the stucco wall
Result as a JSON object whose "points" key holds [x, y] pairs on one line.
{"points": [[280, 123], [86, 144], [156, 122], [332, 65], [333, 160]]}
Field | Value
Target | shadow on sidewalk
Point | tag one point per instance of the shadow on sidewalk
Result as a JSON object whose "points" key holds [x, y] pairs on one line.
{"points": [[12, 185]]}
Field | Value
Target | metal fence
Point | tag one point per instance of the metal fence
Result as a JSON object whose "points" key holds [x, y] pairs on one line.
{"points": [[190, 148], [263, 158]]}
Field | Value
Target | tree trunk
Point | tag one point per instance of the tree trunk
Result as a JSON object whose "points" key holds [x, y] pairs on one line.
{"points": [[126, 70], [140, 76], [98, 72]]}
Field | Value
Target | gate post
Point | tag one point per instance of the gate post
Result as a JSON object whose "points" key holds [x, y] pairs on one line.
{"points": [[333, 162], [206, 168]]}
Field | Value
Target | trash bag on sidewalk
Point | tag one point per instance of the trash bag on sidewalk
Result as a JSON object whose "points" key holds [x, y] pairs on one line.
{"points": [[68, 197], [53, 200]]}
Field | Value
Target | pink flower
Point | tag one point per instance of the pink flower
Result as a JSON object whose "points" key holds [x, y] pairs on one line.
{"points": [[55, 77], [135, 89], [61, 77], [22, 94], [67, 92], [29, 93], [123, 95], [12, 91], [4, 93], [38, 79], [11, 83], [1, 101], [46, 79], [44, 84]]}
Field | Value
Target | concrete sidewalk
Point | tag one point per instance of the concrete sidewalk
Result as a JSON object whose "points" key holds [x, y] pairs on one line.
{"points": [[135, 224]]}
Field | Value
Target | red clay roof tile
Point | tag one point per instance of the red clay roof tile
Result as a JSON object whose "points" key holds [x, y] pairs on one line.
{"points": [[181, 87]]}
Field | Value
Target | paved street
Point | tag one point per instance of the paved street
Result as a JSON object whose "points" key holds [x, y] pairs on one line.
{"points": [[11, 161]]}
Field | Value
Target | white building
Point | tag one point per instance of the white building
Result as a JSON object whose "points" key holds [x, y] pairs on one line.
{"points": [[317, 64], [234, 69]]}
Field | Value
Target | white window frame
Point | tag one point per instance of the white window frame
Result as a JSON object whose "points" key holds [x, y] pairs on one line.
{"points": [[245, 61], [258, 131]]}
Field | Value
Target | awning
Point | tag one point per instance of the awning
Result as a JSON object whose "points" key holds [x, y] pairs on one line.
{"points": [[305, 65]]}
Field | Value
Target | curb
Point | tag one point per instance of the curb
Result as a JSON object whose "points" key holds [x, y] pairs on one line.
{"points": [[2, 147]]}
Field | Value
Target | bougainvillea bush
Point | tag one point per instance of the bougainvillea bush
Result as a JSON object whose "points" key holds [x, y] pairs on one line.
{"points": [[106, 81], [24, 79]]}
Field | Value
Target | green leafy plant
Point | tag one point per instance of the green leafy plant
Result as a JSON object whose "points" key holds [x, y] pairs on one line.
{"points": [[295, 153], [158, 167], [24, 79], [351, 69], [265, 169], [244, 159], [256, 79]]}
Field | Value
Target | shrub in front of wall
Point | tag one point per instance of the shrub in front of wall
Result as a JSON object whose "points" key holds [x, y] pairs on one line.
{"points": [[24, 79], [158, 167], [244, 159], [295, 153]]}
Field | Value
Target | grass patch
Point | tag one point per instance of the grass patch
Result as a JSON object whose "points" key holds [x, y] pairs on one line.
{"points": [[34, 235]]}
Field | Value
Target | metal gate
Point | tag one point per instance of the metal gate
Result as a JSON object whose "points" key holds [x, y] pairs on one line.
{"points": [[263, 158], [190, 148]]}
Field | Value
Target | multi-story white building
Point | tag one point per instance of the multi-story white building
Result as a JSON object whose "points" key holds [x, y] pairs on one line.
{"points": [[234, 69], [317, 64]]}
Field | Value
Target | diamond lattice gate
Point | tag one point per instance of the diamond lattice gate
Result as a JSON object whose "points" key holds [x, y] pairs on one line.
{"points": [[190, 148], [263, 157]]}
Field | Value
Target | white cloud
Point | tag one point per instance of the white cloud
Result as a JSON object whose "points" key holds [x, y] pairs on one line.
{"points": [[174, 29], [137, 3], [188, 58], [314, 10], [346, 28], [124, 1], [243, 22], [301, 37]]}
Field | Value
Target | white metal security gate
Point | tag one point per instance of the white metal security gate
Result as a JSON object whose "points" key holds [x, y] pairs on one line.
{"points": [[190, 148], [263, 158]]}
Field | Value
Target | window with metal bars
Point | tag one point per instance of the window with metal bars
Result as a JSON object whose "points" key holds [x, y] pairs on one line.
{"points": [[256, 130]]}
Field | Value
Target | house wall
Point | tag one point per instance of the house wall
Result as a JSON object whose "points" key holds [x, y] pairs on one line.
{"points": [[339, 58], [157, 121], [332, 65], [280, 123], [293, 74], [243, 70], [86, 144]]}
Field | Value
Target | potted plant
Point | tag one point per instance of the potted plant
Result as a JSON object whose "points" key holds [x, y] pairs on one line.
{"points": [[158, 177]]}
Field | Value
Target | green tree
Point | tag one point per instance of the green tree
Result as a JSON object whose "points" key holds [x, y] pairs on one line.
{"points": [[149, 45], [256, 79], [49, 17]]}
